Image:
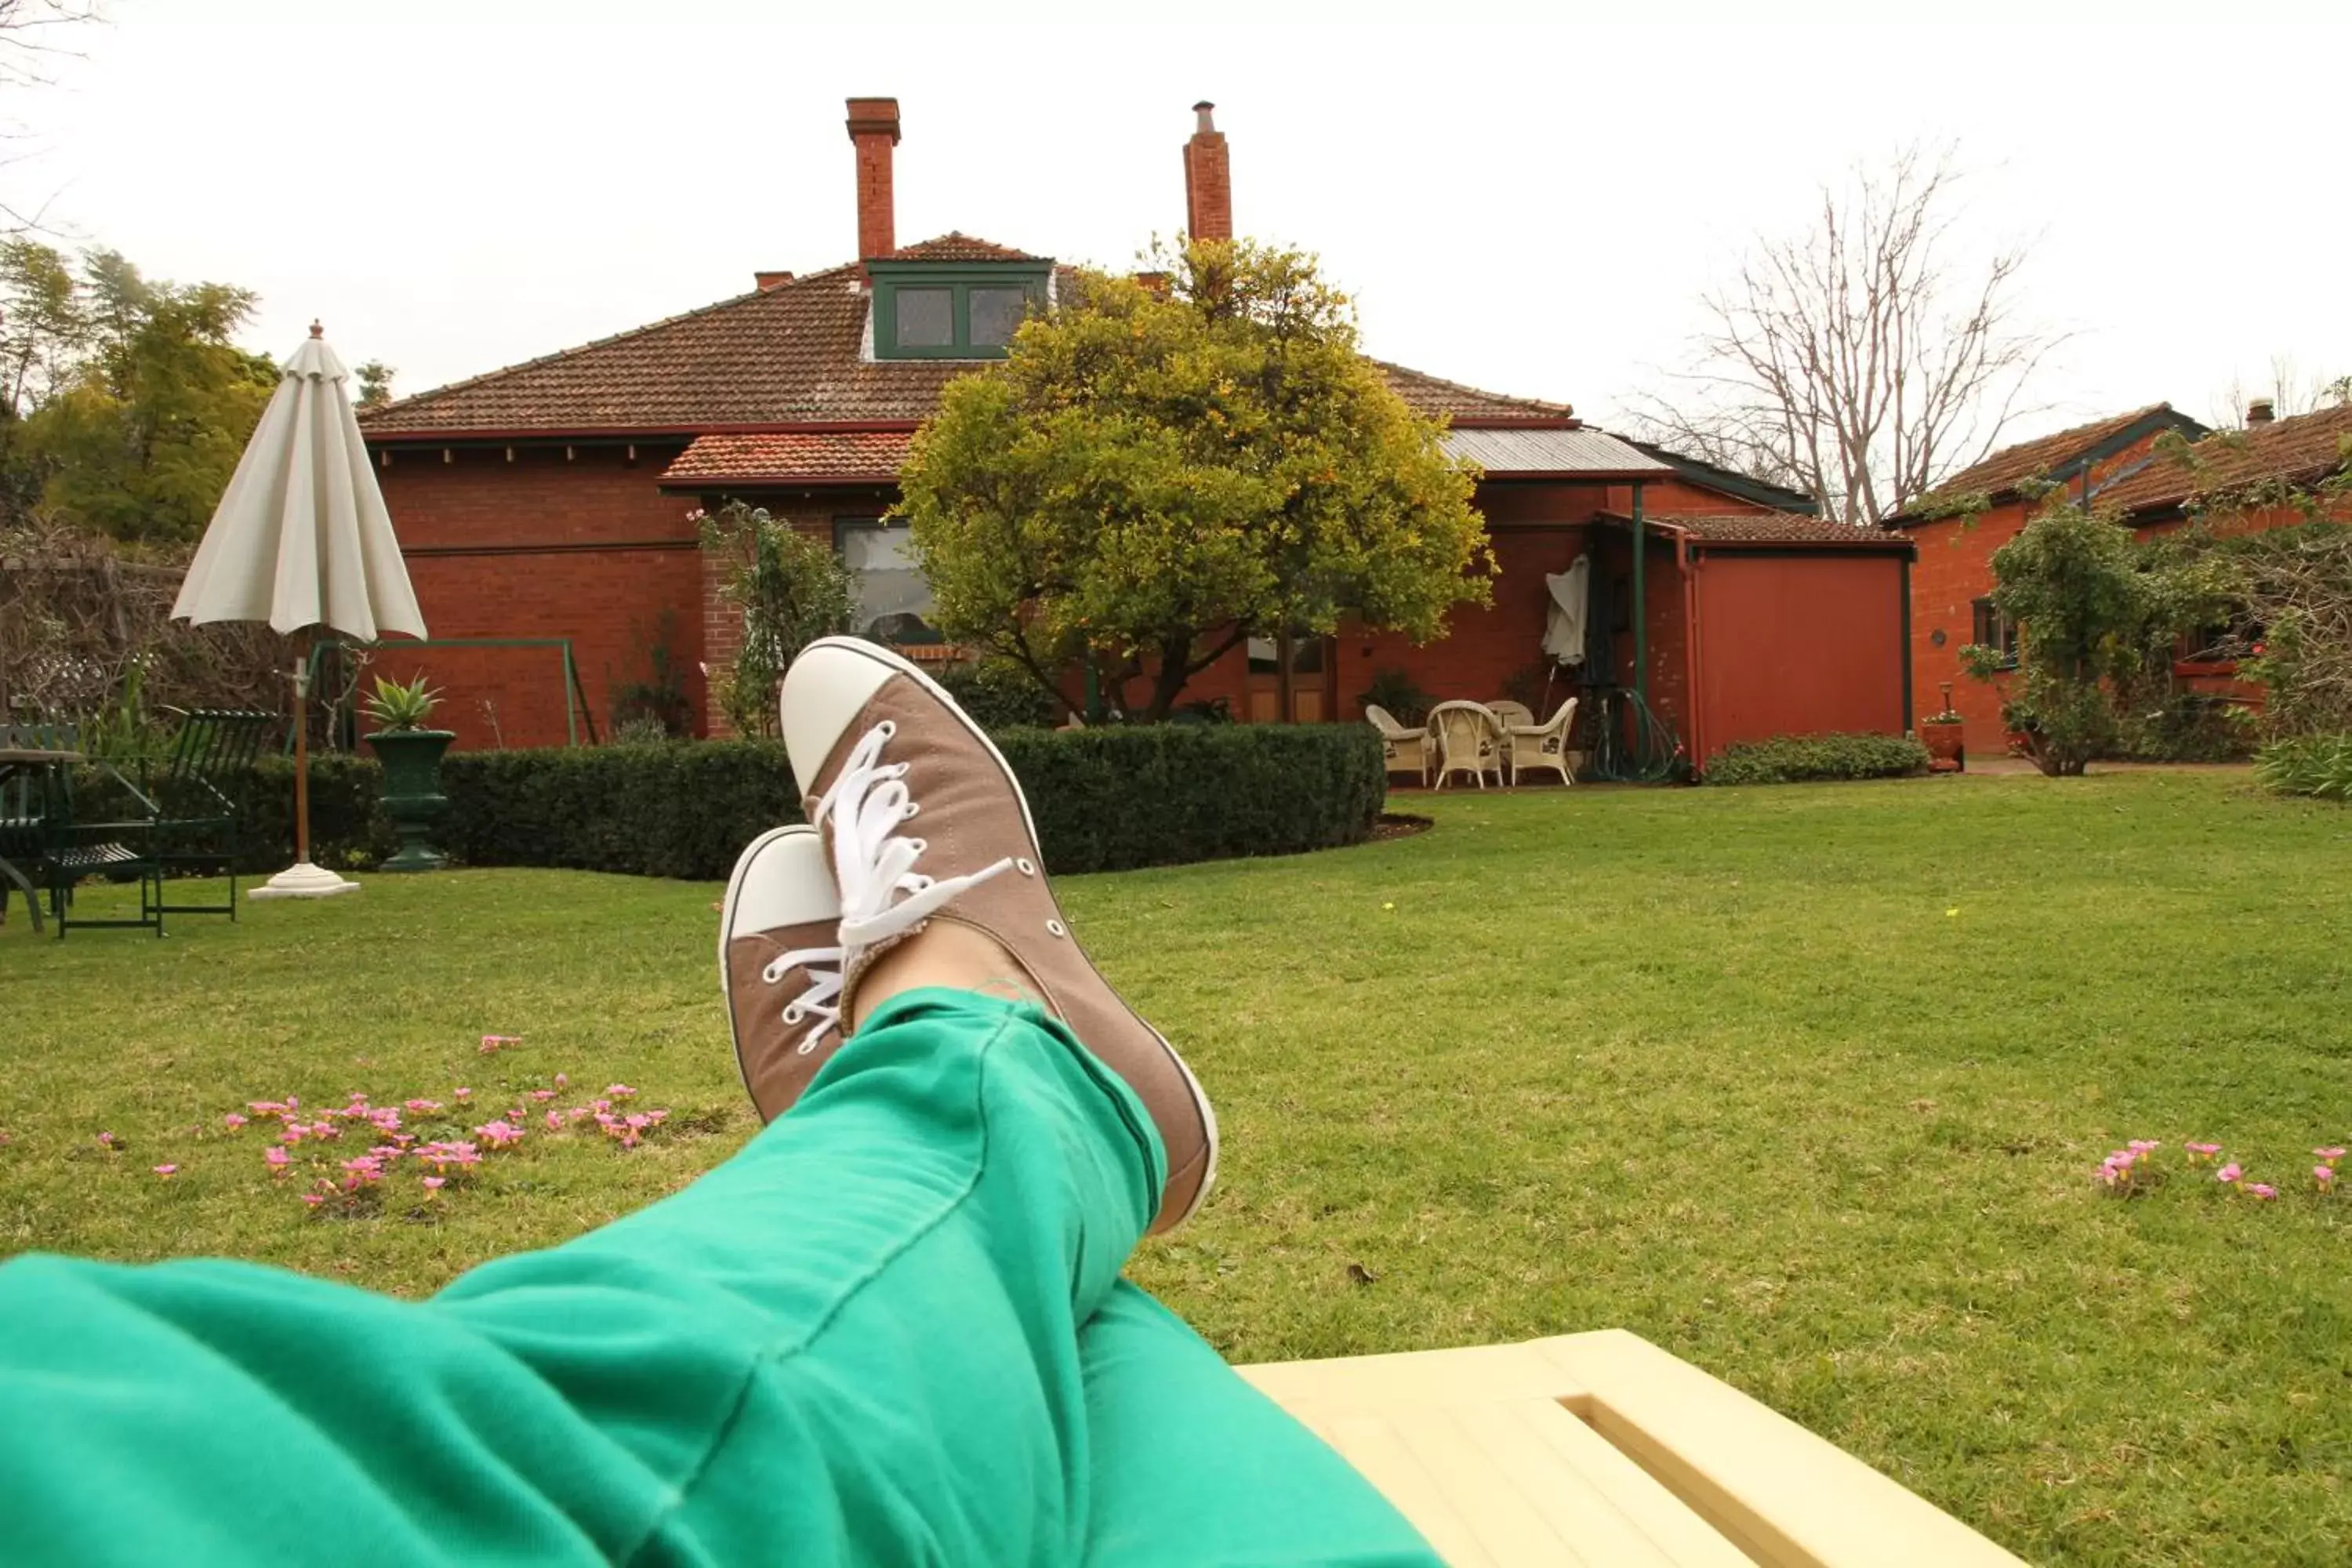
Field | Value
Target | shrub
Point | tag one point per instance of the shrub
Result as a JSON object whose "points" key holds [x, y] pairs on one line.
{"points": [[1794, 759], [1401, 694], [2316, 765], [1001, 695], [680, 809]]}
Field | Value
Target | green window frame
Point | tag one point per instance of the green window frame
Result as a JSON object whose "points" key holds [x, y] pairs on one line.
{"points": [[960, 281]]}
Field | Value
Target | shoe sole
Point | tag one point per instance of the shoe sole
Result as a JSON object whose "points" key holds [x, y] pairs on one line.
{"points": [[727, 929], [889, 660]]}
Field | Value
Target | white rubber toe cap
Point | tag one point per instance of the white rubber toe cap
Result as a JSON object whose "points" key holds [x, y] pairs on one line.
{"points": [[782, 881], [832, 680]]}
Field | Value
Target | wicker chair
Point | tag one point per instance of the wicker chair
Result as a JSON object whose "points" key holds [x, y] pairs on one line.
{"points": [[1408, 751], [1543, 745], [1469, 740]]}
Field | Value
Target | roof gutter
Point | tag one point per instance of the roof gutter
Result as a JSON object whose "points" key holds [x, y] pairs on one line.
{"points": [[458, 436]]}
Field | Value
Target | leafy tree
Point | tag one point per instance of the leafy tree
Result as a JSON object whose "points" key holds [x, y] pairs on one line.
{"points": [[791, 588], [375, 383], [127, 403], [2071, 581], [1159, 472]]}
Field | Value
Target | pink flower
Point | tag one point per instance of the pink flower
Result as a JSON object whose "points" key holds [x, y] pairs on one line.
{"points": [[314, 1199], [2142, 1145], [106, 1140], [232, 1122], [2229, 1172], [560, 1081], [366, 1168], [292, 1132], [2200, 1153], [167, 1169], [441, 1156], [2324, 1175], [542, 1095], [422, 1106], [463, 1093], [555, 1122], [265, 1108], [499, 1134], [2330, 1155], [491, 1043], [2260, 1190], [279, 1159], [434, 1183], [619, 1090]]}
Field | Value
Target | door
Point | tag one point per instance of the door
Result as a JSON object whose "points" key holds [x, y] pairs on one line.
{"points": [[1311, 664]]}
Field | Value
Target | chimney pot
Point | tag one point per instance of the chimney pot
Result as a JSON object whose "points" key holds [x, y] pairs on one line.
{"points": [[1208, 180], [767, 280], [874, 129], [2261, 411]]}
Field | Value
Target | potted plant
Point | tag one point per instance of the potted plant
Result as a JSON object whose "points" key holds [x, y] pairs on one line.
{"points": [[411, 755], [1941, 733]]}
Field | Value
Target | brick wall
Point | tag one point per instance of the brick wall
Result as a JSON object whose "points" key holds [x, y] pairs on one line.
{"points": [[585, 548]]}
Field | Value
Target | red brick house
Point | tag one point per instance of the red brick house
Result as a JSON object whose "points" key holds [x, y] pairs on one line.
{"points": [[2124, 464], [551, 503]]}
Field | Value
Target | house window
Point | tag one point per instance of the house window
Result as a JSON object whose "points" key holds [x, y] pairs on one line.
{"points": [[1994, 630], [892, 599], [928, 310]]}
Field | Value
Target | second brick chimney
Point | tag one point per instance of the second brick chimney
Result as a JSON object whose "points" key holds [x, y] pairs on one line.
{"points": [[873, 128], [1208, 180], [2261, 411]]}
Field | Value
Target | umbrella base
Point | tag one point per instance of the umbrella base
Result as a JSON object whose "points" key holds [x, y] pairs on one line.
{"points": [[303, 881]]}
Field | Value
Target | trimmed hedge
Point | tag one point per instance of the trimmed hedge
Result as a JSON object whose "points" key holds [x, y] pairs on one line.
{"points": [[1797, 759], [1104, 800]]}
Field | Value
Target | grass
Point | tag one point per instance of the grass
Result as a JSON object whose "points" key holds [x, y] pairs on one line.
{"points": [[1804, 1084]]}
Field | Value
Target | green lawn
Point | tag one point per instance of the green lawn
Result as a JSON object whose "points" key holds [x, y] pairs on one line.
{"points": [[1803, 1084]]}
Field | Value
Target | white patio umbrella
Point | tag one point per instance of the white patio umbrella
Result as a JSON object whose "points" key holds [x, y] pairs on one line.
{"points": [[301, 540]]}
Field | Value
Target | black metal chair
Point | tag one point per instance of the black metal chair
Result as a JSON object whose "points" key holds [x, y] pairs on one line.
{"points": [[66, 850], [197, 797]]}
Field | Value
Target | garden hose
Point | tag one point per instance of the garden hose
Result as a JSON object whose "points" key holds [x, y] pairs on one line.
{"points": [[1654, 753]]}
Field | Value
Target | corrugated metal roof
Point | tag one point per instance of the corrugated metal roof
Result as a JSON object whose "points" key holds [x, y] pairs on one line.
{"points": [[1503, 453]]}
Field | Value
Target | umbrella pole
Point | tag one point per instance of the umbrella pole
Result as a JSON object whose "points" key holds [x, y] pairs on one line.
{"points": [[302, 879], [302, 750]]}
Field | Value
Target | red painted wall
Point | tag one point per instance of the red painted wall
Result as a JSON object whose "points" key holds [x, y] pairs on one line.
{"points": [[1798, 643], [541, 547]]}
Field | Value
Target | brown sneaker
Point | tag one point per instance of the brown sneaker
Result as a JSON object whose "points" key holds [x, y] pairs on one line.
{"points": [[779, 965], [878, 747]]}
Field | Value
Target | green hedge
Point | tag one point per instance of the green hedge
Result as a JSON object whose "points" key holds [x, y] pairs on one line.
{"points": [[1795, 759], [1107, 799]]}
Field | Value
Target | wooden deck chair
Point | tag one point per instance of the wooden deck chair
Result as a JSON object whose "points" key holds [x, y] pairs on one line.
{"points": [[1602, 1448], [1543, 745], [1408, 751], [1469, 740]]}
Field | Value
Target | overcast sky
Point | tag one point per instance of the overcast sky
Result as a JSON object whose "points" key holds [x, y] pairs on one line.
{"points": [[1532, 209]]}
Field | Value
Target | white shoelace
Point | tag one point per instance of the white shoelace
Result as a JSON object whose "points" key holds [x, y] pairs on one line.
{"points": [[882, 894], [821, 1000]]}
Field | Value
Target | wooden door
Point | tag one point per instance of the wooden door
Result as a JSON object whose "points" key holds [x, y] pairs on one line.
{"points": [[1312, 661]]}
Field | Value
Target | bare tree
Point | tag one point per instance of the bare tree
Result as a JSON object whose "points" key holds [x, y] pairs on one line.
{"points": [[32, 44], [1859, 360], [2291, 392]]}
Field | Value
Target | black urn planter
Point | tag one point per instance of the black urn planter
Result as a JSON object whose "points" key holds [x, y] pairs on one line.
{"points": [[412, 792]]}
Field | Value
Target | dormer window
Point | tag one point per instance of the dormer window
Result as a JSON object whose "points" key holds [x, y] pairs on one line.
{"points": [[928, 309]]}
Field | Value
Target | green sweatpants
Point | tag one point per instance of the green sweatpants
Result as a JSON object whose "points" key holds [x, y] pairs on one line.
{"points": [[891, 1330]]}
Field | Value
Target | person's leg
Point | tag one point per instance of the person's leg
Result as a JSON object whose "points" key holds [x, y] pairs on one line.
{"points": [[1194, 1469], [857, 1341]]}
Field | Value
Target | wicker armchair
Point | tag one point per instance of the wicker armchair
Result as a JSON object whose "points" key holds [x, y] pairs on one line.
{"points": [[1408, 750], [1543, 745], [1469, 740]]}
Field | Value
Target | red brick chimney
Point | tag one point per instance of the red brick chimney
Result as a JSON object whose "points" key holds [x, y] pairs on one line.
{"points": [[1208, 180], [767, 280], [874, 127], [2261, 411]]}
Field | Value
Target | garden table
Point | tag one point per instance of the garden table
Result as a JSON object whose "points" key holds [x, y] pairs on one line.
{"points": [[16, 760], [1601, 1449]]}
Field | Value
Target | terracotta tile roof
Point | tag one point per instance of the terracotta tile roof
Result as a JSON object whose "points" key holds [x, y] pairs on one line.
{"points": [[817, 455], [2004, 470], [1772, 528], [957, 246], [1430, 396], [790, 355], [2296, 451]]}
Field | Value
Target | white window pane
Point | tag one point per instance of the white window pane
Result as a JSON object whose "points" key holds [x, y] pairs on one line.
{"points": [[893, 597], [995, 312], [926, 318]]}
